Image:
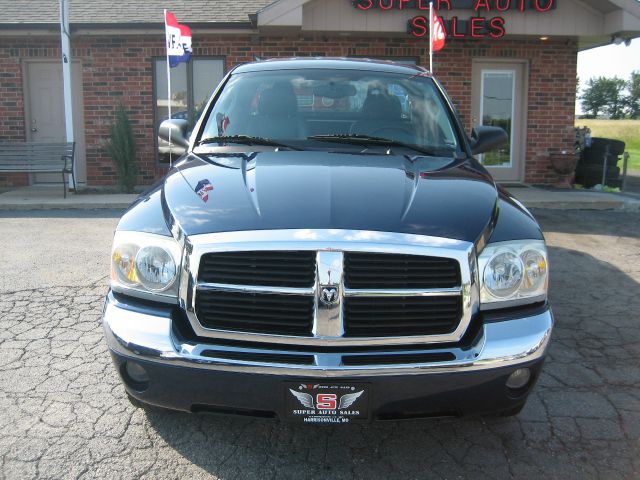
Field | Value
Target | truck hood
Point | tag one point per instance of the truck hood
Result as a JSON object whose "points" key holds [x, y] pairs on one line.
{"points": [[269, 190]]}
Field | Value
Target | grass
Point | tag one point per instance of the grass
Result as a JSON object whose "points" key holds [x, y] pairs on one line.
{"points": [[626, 130]]}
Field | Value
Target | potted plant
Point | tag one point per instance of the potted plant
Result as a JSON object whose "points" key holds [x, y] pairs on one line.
{"points": [[122, 149], [564, 163]]}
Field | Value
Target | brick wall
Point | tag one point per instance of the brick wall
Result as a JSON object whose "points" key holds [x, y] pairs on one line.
{"points": [[120, 71], [12, 127]]}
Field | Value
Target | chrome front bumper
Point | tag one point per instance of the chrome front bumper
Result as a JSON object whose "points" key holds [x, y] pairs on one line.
{"points": [[147, 335]]}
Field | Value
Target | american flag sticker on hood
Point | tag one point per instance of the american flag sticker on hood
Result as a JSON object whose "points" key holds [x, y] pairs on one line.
{"points": [[203, 188]]}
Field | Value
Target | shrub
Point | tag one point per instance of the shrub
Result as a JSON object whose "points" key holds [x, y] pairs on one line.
{"points": [[122, 149]]}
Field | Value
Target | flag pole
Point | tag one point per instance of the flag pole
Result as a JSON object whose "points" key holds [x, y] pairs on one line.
{"points": [[431, 37], [168, 82]]}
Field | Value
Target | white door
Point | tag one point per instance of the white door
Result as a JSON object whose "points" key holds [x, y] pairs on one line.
{"points": [[45, 112], [499, 99]]}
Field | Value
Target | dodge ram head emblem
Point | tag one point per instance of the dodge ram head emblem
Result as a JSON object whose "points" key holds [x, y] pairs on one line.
{"points": [[329, 295]]}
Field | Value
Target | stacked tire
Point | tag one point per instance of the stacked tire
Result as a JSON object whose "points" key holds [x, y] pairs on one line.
{"points": [[591, 164]]}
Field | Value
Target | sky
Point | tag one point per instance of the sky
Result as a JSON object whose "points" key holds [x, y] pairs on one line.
{"points": [[609, 61]]}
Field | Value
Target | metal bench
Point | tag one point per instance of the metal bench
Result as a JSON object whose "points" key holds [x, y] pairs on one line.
{"points": [[32, 157]]}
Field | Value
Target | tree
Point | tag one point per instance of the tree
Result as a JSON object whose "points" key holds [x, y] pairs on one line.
{"points": [[604, 95], [616, 104], [632, 100], [122, 150], [594, 97]]}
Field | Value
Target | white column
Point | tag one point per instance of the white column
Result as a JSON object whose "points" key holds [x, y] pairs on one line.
{"points": [[66, 77]]}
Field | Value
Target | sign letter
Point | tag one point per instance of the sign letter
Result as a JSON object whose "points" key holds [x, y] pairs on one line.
{"points": [[496, 27], [364, 4], [419, 26], [326, 401], [482, 4], [546, 8], [503, 5]]}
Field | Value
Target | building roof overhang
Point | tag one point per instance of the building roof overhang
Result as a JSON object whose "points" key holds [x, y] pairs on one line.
{"points": [[591, 23]]}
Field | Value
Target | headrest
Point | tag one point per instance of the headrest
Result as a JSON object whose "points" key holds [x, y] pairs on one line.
{"points": [[380, 104], [278, 101]]}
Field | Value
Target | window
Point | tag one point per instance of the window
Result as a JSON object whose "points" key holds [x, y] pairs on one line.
{"points": [[191, 86], [497, 110], [293, 105]]}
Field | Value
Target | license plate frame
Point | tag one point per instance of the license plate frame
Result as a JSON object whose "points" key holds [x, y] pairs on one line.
{"points": [[328, 403]]}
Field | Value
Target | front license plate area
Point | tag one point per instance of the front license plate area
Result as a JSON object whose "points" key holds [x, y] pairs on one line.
{"points": [[326, 403]]}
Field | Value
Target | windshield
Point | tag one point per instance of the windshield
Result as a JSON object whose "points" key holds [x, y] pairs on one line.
{"points": [[305, 107]]}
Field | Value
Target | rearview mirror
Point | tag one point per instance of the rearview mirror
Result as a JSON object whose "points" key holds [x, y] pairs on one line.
{"points": [[177, 128], [335, 90], [484, 139]]}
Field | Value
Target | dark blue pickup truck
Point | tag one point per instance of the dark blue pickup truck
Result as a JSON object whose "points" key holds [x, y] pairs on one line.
{"points": [[328, 250]]}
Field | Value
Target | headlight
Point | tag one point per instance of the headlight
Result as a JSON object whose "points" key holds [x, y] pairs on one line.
{"points": [[156, 268], [145, 265], [513, 273]]}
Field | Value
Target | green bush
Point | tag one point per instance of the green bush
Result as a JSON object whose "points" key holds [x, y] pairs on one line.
{"points": [[122, 150]]}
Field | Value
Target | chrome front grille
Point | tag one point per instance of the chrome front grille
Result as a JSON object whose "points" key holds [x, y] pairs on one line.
{"points": [[329, 287]]}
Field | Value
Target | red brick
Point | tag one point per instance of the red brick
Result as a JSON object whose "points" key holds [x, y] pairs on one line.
{"points": [[125, 68]]}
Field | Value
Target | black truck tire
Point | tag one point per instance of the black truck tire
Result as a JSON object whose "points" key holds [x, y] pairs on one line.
{"points": [[616, 147], [595, 156]]}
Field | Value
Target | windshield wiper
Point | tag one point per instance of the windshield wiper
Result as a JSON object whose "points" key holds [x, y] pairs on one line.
{"points": [[370, 140], [245, 140]]}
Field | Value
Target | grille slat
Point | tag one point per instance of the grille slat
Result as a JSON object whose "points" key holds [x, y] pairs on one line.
{"points": [[353, 360], [255, 313], [231, 263], [265, 317], [234, 272], [388, 310], [381, 270], [264, 357], [238, 306], [400, 319], [232, 298], [295, 269], [386, 266], [374, 307]]}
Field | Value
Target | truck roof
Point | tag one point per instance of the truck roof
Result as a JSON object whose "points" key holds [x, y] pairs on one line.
{"points": [[341, 63]]}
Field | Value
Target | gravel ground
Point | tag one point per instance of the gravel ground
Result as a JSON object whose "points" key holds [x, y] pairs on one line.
{"points": [[63, 412]]}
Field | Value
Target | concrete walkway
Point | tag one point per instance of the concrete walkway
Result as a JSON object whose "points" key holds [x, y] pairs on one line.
{"points": [[560, 199], [51, 198], [46, 198]]}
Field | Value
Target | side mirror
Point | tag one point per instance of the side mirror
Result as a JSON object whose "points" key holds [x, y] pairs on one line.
{"points": [[178, 130], [484, 139]]}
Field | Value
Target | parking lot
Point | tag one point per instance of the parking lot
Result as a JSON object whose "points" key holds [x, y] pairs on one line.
{"points": [[63, 412]]}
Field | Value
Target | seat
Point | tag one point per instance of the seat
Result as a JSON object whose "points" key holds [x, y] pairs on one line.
{"points": [[277, 114], [382, 117]]}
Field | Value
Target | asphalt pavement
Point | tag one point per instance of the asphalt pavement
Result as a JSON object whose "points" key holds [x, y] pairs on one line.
{"points": [[63, 412]]}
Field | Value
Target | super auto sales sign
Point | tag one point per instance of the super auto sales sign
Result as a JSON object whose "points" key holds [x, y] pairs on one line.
{"points": [[486, 22]]}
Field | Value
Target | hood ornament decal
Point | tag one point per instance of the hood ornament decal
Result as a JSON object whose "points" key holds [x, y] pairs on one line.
{"points": [[203, 188]]}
